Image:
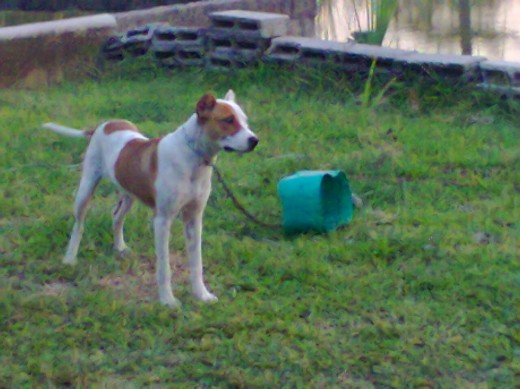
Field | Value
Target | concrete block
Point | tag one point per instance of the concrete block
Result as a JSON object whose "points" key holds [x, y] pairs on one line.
{"points": [[137, 41], [501, 90], [258, 24], [288, 49], [215, 62], [178, 46], [168, 59], [190, 56], [238, 57], [447, 66], [250, 45], [500, 73], [359, 58], [113, 49], [167, 38], [229, 58], [317, 51]]}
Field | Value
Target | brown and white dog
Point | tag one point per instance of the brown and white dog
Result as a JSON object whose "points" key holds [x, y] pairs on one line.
{"points": [[171, 175]]}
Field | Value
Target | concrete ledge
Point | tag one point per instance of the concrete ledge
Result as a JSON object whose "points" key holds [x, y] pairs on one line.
{"points": [[40, 54], [33, 30]]}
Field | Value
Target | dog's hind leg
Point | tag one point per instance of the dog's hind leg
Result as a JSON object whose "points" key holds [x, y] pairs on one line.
{"points": [[89, 180], [118, 220]]}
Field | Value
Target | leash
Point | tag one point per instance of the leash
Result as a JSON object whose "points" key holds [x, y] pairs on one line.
{"points": [[237, 203]]}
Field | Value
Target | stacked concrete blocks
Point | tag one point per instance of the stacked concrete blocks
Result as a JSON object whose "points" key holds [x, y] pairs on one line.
{"points": [[239, 38], [179, 46], [501, 77]]}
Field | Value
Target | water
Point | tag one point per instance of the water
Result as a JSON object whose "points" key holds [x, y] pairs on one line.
{"points": [[490, 28]]}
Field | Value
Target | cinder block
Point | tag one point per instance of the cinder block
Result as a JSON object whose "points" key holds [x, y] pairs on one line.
{"points": [[237, 57], [507, 92], [215, 62], [137, 41], [359, 58], [167, 38], [190, 56], [229, 58], [112, 49], [446, 66], [288, 49], [319, 51], [179, 46], [258, 24], [500, 73], [249, 46]]}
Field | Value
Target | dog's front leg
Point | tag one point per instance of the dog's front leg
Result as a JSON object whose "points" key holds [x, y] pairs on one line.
{"points": [[162, 225], [193, 233]]}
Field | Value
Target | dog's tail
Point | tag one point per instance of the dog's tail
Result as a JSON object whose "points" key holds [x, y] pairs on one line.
{"points": [[68, 131]]}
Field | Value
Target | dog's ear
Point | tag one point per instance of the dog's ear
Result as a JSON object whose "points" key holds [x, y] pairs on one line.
{"points": [[205, 106], [230, 95]]}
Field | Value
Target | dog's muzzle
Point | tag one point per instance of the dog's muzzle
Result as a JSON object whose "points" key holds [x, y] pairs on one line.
{"points": [[252, 142]]}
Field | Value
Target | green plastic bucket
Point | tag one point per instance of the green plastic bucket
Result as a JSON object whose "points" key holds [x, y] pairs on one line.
{"points": [[314, 200]]}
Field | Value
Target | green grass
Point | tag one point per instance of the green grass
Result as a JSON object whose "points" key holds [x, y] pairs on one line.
{"points": [[420, 290]]}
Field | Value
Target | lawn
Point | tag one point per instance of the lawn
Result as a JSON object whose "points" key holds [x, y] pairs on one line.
{"points": [[421, 289]]}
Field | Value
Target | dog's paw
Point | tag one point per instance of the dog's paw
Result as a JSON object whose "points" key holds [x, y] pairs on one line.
{"points": [[206, 296], [124, 253], [69, 260], [170, 302]]}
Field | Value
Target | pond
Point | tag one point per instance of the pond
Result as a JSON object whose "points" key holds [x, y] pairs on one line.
{"points": [[490, 28]]}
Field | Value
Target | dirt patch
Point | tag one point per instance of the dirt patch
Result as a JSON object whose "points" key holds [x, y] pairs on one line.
{"points": [[55, 289], [138, 283]]}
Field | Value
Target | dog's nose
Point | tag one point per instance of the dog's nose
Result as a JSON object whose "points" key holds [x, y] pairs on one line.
{"points": [[252, 141]]}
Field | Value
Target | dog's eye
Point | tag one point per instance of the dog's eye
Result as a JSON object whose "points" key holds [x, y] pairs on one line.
{"points": [[229, 120]]}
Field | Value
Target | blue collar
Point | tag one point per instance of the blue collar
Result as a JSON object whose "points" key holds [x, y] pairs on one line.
{"points": [[192, 144]]}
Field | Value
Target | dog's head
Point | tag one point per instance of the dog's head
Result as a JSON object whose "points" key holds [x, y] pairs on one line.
{"points": [[225, 123]]}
